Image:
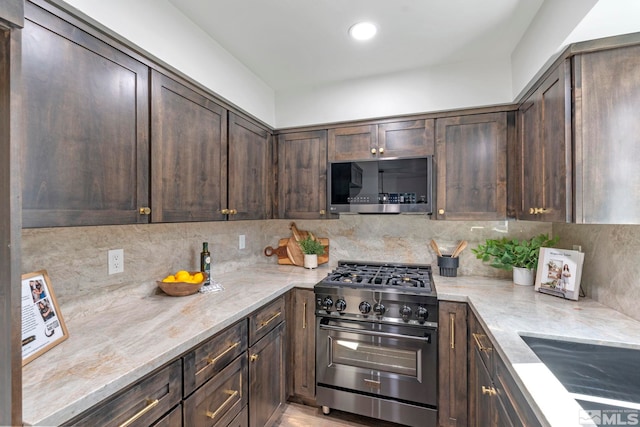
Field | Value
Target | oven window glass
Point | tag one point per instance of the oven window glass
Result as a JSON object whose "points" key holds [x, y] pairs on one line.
{"points": [[376, 357]]}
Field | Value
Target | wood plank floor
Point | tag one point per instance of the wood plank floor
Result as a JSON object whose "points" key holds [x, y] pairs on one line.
{"points": [[296, 415]]}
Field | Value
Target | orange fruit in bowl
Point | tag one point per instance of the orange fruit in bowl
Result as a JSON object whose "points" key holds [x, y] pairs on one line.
{"points": [[169, 279], [198, 277]]}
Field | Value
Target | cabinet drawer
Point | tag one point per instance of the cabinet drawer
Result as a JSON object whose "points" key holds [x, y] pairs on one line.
{"points": [[242, 419], [513, 401], [211, 357], [481, 342], [142, 404], [218, 401], [262, 321], [172, 419]]}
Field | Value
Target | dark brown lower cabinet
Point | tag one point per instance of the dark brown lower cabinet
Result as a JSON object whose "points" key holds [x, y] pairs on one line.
{"points": [[302, 347], [494, 397], [221, 399], [452, 364], [266, 378], [172, 419], [144, 403]]}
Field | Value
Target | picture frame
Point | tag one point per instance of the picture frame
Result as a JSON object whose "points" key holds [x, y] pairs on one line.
{"points": [[559, 272], [42, 324]]}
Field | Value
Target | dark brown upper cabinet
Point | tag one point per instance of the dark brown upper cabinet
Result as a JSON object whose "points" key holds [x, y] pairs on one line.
{"points": [[251, 181], [189, 153], [607, 152], [302, 175], [471, 167], [85, 158], [544, 135], [412, 138]]}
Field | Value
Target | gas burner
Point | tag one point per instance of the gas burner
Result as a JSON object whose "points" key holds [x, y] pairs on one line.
{"points": [[382, 276]]}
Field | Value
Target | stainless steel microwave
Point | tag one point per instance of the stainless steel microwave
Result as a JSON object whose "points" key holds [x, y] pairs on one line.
{"points": [[381, 186]]}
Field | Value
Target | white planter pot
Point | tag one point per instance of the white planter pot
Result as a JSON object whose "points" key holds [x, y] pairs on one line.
{"points": [[523, 276], [310, 261]]}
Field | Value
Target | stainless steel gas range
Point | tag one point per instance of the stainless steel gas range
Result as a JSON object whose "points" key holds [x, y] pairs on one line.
{"points": [[377, 342]]}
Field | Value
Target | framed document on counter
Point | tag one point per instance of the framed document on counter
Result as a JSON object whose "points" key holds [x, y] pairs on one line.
{"points": [[42, 323], [559, 272]]}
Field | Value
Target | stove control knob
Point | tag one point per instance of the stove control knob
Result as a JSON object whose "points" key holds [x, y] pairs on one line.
{"points": [[405, 312], [364, 307], [379, 309], [327, 303], [341, 305], [422, 314]]}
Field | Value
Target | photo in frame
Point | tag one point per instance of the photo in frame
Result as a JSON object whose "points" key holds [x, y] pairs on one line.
{"points": [[42, 324], [559, 272]]}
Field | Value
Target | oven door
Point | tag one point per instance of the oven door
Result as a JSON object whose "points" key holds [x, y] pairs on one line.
{"points": [[391, 361]]}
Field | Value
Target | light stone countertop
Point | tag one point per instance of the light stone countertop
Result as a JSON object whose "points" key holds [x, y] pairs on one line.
{"points": [[119, 338]]}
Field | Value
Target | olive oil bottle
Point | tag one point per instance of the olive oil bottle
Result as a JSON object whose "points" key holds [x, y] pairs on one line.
{"points": [[205, 262]]}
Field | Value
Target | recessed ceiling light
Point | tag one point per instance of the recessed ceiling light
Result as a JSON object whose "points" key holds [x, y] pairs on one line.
{"points": [[363, 30]]}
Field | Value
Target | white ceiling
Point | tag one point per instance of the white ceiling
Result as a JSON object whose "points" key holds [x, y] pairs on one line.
{"points": [[300, 43]]}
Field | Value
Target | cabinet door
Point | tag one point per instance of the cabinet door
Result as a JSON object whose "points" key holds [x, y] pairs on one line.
{"points": [[266, 378], [406, 139], [471, 167], [607, 101], [545, 139], [251, 175], [188, 153], [452, 365], [302, 175], [85, 153], [353, 143], [482, 403], [303, 332]]}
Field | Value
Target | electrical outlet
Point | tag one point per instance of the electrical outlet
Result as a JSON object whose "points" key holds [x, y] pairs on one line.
{"points": [[241, 241], [116, 261]]}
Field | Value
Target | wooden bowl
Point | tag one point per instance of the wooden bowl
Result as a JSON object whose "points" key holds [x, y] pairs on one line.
{"points": [[181, 289]]}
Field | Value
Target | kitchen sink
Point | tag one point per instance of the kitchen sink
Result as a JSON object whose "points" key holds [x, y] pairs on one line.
{"points": [[599, 377]]}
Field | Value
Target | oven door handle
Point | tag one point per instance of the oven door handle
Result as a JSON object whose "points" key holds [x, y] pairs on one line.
{"points": [[376, 334]]}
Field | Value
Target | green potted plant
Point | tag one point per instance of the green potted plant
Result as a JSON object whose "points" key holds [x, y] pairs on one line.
{"points": [[311, 248], [520, 256]]}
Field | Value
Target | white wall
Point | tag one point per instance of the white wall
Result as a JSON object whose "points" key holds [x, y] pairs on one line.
{"points": [[160, 29], [608, 18], [451, 86]]}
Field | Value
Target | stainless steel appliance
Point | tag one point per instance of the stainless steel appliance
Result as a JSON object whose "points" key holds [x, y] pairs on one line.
{"points": [[376, 342], [381, 186]]}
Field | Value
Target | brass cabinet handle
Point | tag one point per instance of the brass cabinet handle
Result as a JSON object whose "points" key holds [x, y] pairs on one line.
{"points": [[254, 357], [225, 211], [538, 211], [211, 361], [322, 212], [232, 394], [304, 315], [381, 150], [374, 151], [233, 211], [145, 210], [481, 346], [453, 331], [491, 391], [269, 320], [441, 211], [150, 405]]}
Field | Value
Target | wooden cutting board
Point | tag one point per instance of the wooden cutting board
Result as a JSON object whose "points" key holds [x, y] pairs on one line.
{"points": [[280, 251]]}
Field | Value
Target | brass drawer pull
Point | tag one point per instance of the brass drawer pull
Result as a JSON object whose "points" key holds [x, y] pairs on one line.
{"points": [[269, 320], [304, 315], [144, 211], [481, 347], [254, 357], [232, 394], [211, 361], [491, 391], [453, 331], [150, 405]]}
